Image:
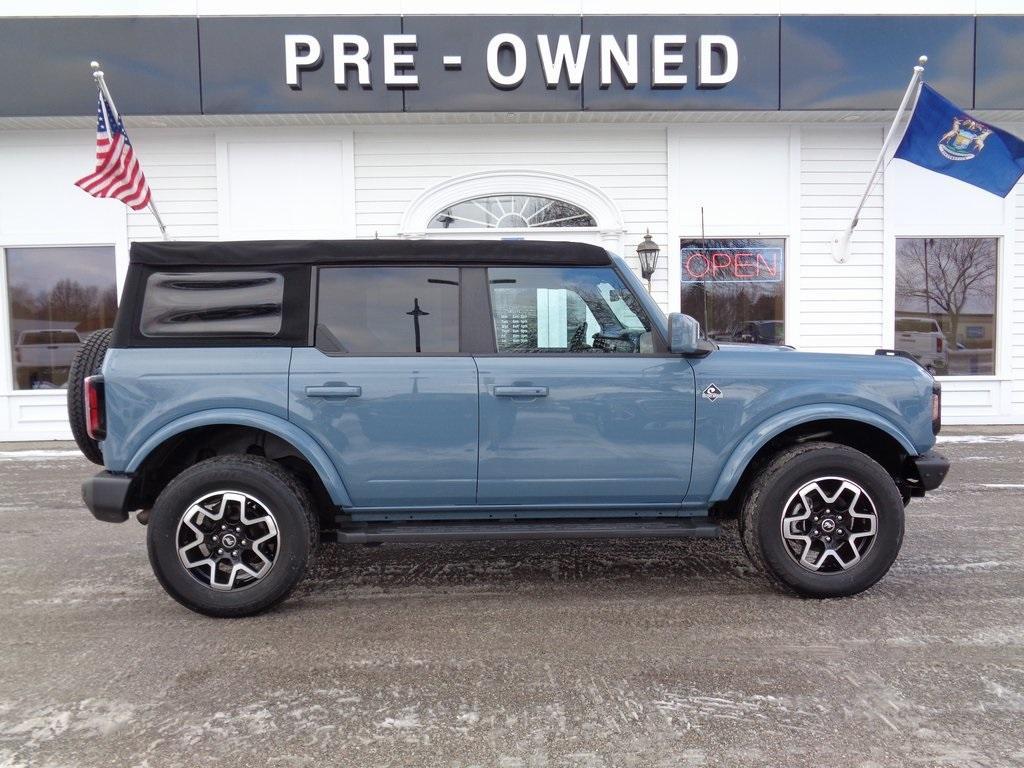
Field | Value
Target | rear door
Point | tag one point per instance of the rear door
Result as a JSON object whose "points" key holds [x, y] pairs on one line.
{"points": [[580, 405], [386, 389]]}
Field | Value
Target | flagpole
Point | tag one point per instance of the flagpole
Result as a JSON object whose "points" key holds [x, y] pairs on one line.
{"points": [[101, 83], [841, 242]]}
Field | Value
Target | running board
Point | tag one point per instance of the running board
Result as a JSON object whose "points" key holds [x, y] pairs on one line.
{"points": [[630, 528]]}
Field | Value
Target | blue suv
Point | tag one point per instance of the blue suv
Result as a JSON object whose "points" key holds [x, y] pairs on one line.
{"points": [[257, 398]]}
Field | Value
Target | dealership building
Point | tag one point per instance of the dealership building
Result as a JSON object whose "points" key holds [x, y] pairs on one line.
{"points": [[741, 140]]}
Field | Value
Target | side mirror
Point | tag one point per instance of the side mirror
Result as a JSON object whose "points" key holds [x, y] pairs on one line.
{"points": [[683, 334]]}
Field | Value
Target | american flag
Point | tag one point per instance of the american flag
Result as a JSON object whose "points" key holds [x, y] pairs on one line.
{"points": [[118, 173]]}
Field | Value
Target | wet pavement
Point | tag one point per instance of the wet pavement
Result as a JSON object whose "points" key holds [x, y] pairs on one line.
{"points": [[589, 654]]}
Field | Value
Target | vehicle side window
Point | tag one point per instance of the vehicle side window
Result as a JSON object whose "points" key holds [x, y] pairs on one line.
{"points": [[240, 303], [388, 310], [575, 310]]}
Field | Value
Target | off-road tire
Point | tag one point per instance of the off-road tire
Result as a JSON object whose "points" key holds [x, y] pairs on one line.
{"points": [[281, 491], [761, 515], [87, 362]]}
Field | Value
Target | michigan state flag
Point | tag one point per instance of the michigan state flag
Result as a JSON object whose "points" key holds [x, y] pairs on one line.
{"points": [[943, 138]]}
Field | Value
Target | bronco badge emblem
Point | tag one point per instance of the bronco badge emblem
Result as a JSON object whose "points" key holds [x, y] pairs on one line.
{"points": [[965, 135], [712, 393]]}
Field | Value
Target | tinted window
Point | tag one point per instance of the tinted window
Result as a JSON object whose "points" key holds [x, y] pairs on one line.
{"points": [[566, 309], [946, 302], [56, 297], [213, 304], [389, 310], [736, 288]]}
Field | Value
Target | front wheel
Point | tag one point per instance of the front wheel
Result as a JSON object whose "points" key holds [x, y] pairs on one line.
{"points": [[232, 535], [823, 520]]}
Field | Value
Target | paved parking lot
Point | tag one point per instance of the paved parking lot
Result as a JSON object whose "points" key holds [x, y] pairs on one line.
{"points": [[518, 654]]}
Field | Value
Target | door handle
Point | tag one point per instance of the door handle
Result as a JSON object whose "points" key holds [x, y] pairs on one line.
{"points": [[334, 391], [520, 391]]}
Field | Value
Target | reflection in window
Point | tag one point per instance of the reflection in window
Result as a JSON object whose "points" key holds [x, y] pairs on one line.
{"points": [[213, 304], [57, 297], [511, 212], [566, 309], [946, 303], [389, 310], [736, 288]]}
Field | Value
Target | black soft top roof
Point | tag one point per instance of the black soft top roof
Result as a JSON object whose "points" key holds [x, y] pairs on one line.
{"points": [[284, 252]]}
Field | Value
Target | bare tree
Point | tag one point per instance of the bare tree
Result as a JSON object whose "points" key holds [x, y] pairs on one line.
{"points": [[945, 272]]}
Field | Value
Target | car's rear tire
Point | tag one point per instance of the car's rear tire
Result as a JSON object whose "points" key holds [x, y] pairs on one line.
{"points": [[232, 535], [88, 361], [822, 520]]}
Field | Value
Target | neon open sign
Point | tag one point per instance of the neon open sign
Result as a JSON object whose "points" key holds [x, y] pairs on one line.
{"points": [[732, 265]]}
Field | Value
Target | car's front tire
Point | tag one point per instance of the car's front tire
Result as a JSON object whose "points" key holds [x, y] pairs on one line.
{"points": [[823, 520], [232, 536]]}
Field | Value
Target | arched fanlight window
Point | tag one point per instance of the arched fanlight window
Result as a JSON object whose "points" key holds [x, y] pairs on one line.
{"points": [[511, 212]]}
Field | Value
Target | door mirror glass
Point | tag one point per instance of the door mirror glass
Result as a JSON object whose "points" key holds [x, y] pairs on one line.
{"points": [[683, 334]]}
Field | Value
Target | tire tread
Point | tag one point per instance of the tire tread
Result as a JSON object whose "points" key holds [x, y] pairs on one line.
{"points": [[752, 509], [219, 465]]}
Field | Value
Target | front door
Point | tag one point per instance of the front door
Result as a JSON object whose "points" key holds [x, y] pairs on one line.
{"points": [[386, 390], [580, 406]]}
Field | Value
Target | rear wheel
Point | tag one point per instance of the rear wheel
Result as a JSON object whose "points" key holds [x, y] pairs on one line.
{"points": [[823, 520], [87, 362], [232, 535]]}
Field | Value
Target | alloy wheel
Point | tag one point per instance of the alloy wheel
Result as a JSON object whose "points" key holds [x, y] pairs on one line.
{"points": [[829, 524], [228, 540]]}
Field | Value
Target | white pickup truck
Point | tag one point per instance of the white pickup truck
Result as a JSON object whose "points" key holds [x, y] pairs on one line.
{"points": [[42, 357], [923, 338]]}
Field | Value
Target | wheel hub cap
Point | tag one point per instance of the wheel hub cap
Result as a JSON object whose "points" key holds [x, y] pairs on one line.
{"points": [[228, 540], [829, 524]]}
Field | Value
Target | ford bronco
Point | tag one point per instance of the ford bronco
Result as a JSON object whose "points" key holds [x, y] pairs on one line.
{"points": [[255, 399]]}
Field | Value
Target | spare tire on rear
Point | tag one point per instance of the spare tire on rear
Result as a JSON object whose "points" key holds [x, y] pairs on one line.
{"points": [[88, 362]]}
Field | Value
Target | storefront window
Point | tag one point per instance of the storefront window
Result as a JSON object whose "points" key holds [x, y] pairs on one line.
{"points": [[56, 298], [946, 303], [736, 288]]}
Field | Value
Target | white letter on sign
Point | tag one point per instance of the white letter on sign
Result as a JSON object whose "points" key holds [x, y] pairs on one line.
{"points": [[393, 60], [626, 63], [351, 51], [519, 55], [662, 57], [563, 58], [730, 57], [294, 61]]}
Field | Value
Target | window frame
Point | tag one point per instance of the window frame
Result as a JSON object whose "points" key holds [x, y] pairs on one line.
{"points": [[790, 289], [527, 228], [295, 330], [661, 349], [8, 385], [1002, 304]]}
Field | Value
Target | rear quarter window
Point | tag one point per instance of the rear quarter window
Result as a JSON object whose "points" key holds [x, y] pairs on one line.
{"points": [[213, 304]]}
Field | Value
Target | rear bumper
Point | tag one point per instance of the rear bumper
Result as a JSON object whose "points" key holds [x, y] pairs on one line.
{"points": [[931, 469], [106, 496]]}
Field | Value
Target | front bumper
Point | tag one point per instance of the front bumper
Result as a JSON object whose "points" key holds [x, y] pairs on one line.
{"points": [[107, 495], [931, 469]]}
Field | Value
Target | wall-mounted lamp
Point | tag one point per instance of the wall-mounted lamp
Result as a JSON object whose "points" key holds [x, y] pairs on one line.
{"points": [[648, 251]]}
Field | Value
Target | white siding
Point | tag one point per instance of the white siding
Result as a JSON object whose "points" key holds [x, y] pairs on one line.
{"points": [[1016, 325], [181, 167], [394, 166], [39, 206], [840, 305]]}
